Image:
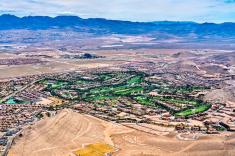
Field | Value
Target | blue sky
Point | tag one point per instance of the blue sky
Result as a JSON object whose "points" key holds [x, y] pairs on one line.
{"points": [[135, 10]]}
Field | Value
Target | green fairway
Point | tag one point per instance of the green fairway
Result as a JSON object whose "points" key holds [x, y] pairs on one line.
{"points": [[135, 80], [199, 109], [100, 90], [144, 100], [59, 85], [128, 90]]}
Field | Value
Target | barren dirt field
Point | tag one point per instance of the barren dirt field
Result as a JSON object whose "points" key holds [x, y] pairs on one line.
{"points": [[69, 131], [50, 65], [63, 134], [53, 62], [142, 144]]}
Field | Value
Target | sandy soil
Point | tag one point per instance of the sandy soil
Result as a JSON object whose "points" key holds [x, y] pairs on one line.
{"points": [[64, 133], [51, 65], [56, 64], [44, 101], [69, 131], [142, 144]]}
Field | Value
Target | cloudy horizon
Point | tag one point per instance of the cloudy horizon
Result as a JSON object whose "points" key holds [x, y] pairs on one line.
{"points": [[217, 11]]}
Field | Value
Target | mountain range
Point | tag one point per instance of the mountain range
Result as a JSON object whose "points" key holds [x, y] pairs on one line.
{"points": [[104, 26]]}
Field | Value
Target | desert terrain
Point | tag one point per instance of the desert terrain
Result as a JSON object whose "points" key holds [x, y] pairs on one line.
{"points": [[68, 131]]}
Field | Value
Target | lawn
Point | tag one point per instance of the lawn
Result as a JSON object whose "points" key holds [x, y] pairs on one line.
{"points": [[128, 90], [135, 80], [198, 109], [144, 100], [100, 90]]}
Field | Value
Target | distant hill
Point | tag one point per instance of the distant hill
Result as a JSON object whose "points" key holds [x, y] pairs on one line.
{"points": [[95, 25], [104, 26]]}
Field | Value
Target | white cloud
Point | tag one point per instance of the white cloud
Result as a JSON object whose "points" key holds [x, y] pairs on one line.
{"points": [[136, 10]]}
